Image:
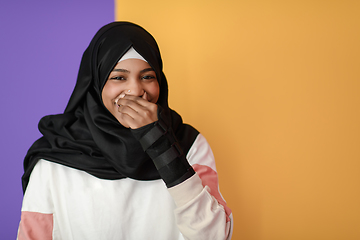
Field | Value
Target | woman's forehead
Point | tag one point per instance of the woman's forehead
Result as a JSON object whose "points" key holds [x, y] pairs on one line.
{"points": [[132, 64]]}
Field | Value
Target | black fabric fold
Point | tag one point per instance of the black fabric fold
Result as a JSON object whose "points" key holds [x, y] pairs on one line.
{"points": [[87, 136]]}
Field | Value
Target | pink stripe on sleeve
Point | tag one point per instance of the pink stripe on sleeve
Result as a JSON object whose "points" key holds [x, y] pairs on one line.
{"points": [[210, 178], [35, 226]]}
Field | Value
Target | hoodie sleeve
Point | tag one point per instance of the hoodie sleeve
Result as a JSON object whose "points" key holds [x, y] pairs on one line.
{"points": [[192, 181], [201, 211]]}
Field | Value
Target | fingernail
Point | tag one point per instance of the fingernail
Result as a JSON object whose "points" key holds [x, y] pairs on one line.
{"points": [[122, 95]]}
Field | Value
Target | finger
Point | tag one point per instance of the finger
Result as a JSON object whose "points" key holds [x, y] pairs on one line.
{"points": [[139, 100], [126, 105], [120, 96], [144, 96], [129, 118], [125, 120], [136, 103], [141, 115], [127, 110], [137, 111]]}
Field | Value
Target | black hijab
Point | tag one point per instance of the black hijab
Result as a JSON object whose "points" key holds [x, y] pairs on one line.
{"points": [[87, 136]]}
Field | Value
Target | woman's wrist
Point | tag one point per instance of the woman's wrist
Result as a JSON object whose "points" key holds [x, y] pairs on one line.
{"points": [[160, 143]]}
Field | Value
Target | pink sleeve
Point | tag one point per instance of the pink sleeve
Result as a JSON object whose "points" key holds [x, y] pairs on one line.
{"points": [[35, 226], [210, 178], [201, 158]]}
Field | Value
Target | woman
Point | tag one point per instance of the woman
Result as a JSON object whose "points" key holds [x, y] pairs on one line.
{"points": [[119, 163]]}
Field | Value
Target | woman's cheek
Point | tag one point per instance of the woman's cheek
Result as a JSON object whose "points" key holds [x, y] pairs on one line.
{"points": [[155, 92]]}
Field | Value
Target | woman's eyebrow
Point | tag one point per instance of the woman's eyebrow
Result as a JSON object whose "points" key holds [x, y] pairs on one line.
{"points": [[127, 71], [121, 70], [146, 70]]}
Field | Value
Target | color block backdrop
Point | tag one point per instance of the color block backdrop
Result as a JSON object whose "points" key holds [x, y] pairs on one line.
{"points": [[41, 45], [274, 86]]}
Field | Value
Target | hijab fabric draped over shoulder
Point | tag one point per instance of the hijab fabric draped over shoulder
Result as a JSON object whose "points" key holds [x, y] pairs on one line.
{"points": [[87, 136]]}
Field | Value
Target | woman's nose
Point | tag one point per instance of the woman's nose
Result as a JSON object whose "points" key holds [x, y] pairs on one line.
{"points": [[135, 88]]}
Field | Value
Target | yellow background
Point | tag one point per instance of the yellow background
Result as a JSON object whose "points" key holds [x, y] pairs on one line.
{"points": [[274, 87]]}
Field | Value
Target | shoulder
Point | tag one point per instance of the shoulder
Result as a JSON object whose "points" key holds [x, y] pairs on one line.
{"points": [[200, 153]]}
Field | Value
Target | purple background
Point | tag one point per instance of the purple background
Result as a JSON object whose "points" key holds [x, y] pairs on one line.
{"points": [[41, 46]]}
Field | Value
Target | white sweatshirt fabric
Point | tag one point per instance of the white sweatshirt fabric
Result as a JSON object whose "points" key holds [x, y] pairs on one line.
{"points": [[65, 203]]}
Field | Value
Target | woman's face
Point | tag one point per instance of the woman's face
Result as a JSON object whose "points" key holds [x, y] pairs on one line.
{"points": [[131, 77]]}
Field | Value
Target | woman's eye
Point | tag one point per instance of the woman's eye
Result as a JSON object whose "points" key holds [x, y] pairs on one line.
{"points": [[148, 77], [117, 78]]}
